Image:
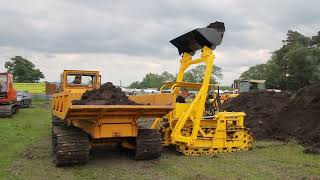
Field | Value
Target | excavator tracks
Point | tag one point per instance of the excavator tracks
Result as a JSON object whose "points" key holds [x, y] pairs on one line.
{"points": [[70, 146], [148, 144]]}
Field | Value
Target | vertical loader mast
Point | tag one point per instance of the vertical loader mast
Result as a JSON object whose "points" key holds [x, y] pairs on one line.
{"points": [[186, 126], [205, 39], [195, 110]]}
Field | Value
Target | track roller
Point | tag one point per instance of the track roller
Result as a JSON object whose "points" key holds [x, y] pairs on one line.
{"points": [[148, 144], [70, 146]]}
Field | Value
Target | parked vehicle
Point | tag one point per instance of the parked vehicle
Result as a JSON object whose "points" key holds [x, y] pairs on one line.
{"points": [[24, 99], [8, 96]]}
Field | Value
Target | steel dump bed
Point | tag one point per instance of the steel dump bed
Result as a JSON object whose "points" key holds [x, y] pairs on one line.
{"points": [[153, 105], [105, 111]]}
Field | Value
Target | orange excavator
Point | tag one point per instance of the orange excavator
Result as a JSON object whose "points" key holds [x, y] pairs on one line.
{"points": [[8, 95]]}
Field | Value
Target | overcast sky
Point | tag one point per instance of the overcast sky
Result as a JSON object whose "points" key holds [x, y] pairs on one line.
{"points": [[127, 39]]}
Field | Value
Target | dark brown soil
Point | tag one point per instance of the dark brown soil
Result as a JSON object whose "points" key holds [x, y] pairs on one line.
{"points": [[107, 94], [260, 108], [301, 118], [273, 115]]}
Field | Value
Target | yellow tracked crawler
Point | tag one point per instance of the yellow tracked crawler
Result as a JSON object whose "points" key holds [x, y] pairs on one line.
{"points": [[186, 127], [78, 128]]}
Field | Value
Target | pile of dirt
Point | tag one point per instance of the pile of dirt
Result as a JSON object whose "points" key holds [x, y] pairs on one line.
{"points": [[107, 94], [272, 115], [260, 108], [301, 118]]}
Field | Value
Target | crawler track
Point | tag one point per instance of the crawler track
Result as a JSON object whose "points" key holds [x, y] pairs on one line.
{"points": [[148, 144], [194, 151], [70, 146]]}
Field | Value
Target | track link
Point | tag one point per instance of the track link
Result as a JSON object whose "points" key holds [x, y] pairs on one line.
{"points": [[148, 144], [70, 146], [195, 151]]}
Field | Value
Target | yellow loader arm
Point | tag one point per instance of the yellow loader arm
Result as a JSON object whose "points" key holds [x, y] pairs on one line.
{"points": [[186, 127]]}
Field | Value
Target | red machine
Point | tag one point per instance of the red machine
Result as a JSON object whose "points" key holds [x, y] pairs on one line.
{"points": [[8, 95]]}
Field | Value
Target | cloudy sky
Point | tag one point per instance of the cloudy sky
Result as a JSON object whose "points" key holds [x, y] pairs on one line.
{"points": [[127, 39]]}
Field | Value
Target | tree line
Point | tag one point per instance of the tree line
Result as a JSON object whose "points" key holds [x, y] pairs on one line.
{"points": [[23, 70], [296, 64], [195, 75]]}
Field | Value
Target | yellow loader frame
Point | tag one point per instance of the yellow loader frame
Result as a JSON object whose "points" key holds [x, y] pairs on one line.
{"points": [[186, 127]]}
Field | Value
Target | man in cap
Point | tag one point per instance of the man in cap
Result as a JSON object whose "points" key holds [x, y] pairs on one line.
{"points": [[184, 93]]}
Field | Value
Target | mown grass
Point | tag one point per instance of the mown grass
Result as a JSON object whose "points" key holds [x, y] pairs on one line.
{"points": [[27, 155], [23, 129], [269, 160]]}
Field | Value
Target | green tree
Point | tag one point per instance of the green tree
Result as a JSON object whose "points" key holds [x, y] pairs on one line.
{"points": [[257, 72], [152, 80], [304, 67], [294, 65], [294, 38], [168, 76], [189, 77], [196, 74], [279, 63], [274, 76], [315, 41], [23, 70], [136, 85]]}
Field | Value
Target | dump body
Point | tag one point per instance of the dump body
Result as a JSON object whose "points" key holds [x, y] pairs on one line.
{"points": [[107, 121], [78, 128]]}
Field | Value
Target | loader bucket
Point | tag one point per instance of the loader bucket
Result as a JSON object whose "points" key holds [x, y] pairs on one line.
{"points": [[210, 36]]}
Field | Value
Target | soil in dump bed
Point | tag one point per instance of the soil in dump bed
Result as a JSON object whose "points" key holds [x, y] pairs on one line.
{"points": [[301, 118], [273, 115], [260, 108], [107, 94]]}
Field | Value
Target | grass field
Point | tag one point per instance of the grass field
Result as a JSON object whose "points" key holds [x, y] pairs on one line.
{"points": [[25, 153], [24, 129]]}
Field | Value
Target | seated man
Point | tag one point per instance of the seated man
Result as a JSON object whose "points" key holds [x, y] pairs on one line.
{"points": [[77, 80], [184, 93]]}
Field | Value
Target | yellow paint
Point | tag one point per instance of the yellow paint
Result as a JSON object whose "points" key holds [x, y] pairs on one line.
{"points": [[106, 121], [181, 124], [185, 127], [225, 97], [34, 88]]}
